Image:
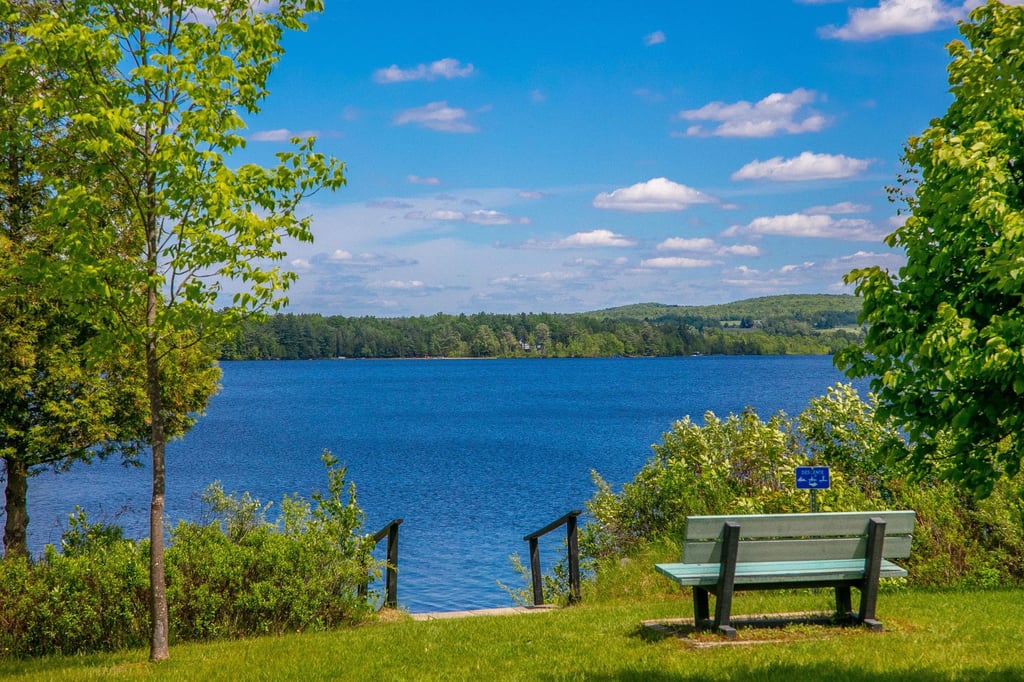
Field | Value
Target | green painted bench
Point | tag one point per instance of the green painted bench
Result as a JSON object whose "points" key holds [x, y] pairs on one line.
{"points": [[725, 554]]}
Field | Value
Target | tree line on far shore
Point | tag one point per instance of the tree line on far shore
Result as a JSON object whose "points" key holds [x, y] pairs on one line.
{"points": [[776, 325]]}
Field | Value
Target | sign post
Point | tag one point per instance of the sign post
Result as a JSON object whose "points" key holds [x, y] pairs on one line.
{"points": [[813, 479]]}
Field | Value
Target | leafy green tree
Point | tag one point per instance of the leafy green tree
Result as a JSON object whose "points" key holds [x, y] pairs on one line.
{"points": [[56, 407], [485, 343], [155, 90], [945, 346]]}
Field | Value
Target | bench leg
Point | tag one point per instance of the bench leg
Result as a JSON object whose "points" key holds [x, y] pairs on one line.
{"points": [[701, 612], [844, 602], [872, 573], [726, 578]]}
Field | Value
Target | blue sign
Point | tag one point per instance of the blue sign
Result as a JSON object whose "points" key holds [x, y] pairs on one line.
{"points": [[812, 478]]}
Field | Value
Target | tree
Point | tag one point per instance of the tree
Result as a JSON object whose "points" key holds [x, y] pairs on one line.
{"points": [[56, 408], [945, 346], [155, 90]]}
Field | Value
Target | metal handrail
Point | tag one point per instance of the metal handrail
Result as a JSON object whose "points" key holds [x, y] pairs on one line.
{"points": [[569, 521], [390, 531]]}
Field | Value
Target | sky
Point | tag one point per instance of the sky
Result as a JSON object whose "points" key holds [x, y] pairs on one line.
{"points": [[574, 156]]}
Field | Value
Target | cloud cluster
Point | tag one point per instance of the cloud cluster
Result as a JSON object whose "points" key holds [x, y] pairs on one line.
{"points": [[708, 246], [447, 69], [895, 17], [676, 262], [477, 217], [778, 113], [809, 226], [656, 195], [806, 166], [437, 116]]}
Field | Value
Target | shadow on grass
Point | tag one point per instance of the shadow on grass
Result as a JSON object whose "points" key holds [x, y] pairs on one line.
{"points": [[815, 672]]}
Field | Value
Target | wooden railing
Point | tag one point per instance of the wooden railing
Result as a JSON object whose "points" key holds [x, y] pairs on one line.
{"points": [[569, 521], [390, 532]]}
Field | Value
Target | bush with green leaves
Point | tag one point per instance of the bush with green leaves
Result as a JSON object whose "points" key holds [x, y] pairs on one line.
{"points": [[235, 574], [745, 465], [93, 597], [240, 574]]}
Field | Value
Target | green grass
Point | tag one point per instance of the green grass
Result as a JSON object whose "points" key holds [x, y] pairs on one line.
{"points": [[929, 636]]}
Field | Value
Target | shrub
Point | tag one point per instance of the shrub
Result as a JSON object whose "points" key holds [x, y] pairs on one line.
{"points": [[742, 464], [92, 598], [241, 575], [238, 574]]}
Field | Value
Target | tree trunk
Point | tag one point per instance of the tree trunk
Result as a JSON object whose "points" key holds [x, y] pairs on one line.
{"points": [[158, 646], [16, 526]]}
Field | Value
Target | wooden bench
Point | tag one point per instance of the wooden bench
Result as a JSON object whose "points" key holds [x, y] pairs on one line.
{"points": [[724, 554]]}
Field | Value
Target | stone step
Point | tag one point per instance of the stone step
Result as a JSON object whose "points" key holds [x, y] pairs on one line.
{"points": [[504, 611]]}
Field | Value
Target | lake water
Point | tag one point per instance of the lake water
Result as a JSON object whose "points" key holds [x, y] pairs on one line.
{"points": [[473, 455]]}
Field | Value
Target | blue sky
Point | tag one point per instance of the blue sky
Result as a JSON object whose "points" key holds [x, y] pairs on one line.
{"points": [[574, 156]]}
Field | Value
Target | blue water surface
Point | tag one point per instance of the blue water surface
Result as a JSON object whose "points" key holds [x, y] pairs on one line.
{"points": [[473, 455]]}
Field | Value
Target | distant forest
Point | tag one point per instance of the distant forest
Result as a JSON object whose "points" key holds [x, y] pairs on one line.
{"points": [[776, 325]]}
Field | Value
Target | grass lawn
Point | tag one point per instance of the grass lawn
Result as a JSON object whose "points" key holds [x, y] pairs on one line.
{"points": [[929, 636]]}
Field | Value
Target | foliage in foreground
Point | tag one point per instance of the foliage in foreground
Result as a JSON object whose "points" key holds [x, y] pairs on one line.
{"points": [[238, 574], [943, 348], [742, 464]]}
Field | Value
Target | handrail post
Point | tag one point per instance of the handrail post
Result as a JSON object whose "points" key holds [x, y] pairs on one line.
{"points": [[569, 520], [391, 573], [535, 572], [389, 531], [574, 559]]}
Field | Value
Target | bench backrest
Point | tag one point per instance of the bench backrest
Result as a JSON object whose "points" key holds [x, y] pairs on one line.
{"points": [[797, 537]]}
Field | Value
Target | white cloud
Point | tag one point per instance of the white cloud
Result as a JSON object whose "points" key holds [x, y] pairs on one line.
{"points": [[488, 217], [843, 207], [656, 38], [594, 238], [682, 244], [676, 263], [777, 113], [706, 245], [446, 214], [897, 221], [658, 194], [895, 17], [807, 166], [447, 68], [581, 240], [417, 180], [400, 285], [525, 194], [437, 116], [371, 260], [890, 261], [802, 225], [477, 217], [740, 250], [280, 135]]}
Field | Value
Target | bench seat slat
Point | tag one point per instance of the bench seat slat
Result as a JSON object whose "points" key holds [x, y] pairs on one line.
{"points": [[814, 549], [799, 525], [763, 572]]}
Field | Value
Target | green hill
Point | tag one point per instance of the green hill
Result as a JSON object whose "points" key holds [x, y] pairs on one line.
{"points": [[842, 309]]}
